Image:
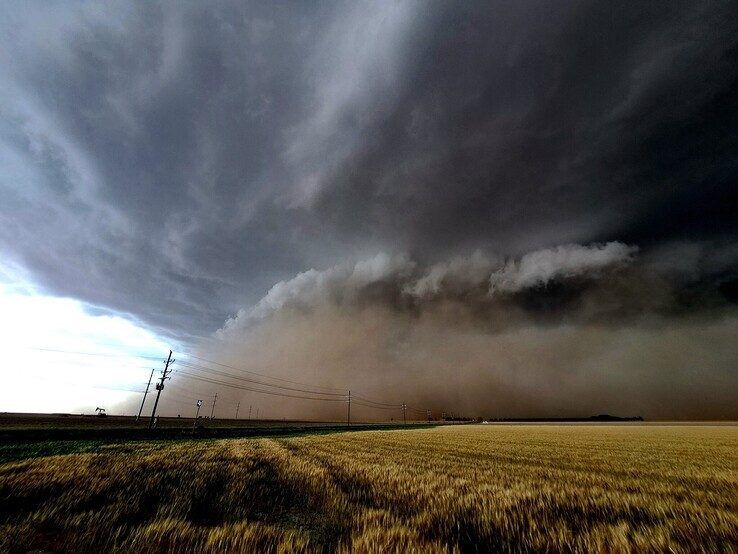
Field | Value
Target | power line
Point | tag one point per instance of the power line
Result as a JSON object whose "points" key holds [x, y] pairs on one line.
{"points": [[220, 373], [185, 396], [242, 387], [309, 391], [180, 402], [360, 402], [180, 391], [365, 399], [179, 398], [313, 390], [262, 374], [383, 405]]}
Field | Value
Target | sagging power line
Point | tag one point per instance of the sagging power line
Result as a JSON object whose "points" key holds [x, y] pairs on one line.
{"points": [[256, 382], [263, 375], [251, 389], [316, 394], [220, 373]]}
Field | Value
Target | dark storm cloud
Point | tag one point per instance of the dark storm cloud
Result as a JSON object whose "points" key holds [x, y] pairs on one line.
{"points": [[523, 126], [175, 160]]}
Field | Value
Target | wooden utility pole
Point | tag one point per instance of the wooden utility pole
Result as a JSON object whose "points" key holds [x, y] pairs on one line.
{"points": [[348, 417], [249, 412], [404, 420], [238, 407], [212, 410], [197, 415], [160, 387], [145, 393]]}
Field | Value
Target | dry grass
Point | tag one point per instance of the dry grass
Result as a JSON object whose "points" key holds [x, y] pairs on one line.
{"points": [[521, 488]]}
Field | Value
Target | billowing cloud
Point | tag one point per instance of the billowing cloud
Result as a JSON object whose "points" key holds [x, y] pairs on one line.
{"points": [[339, 284], [603, 283], [571, 260], [399, 280], [458, 275], [443, 339]]}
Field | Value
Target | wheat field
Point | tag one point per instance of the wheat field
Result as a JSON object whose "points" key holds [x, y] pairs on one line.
{"points": [[457, 488]]}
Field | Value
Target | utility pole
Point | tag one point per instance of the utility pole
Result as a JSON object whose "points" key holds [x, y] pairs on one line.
{"points": [[238, 408], [145, 393], [348, 417], [197, 415], [428, 414], [160, 387], [404, 421], [212, 410], [249, 412]]}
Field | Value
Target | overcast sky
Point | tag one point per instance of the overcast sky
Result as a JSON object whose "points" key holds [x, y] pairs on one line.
{"points": [[209, 170]]}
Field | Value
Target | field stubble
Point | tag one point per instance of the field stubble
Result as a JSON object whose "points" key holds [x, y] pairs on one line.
{"points": [[510, 488]]}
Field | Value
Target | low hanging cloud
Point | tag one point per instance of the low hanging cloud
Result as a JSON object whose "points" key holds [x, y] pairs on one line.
{"points": [[339, 284], [457, 276], [461, 276], [462, 336], [571, 260], [605, 283], [485, 284]]}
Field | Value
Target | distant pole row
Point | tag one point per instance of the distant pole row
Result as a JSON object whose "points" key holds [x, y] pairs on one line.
{"points": [[166, 375]]}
